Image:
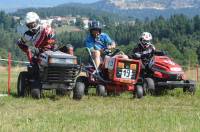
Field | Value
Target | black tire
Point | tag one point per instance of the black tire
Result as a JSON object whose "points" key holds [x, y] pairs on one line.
{"points": [[149, 86], [36, 89], [84, 79], [139, 91], [78, 91], [159, 91], [22, 85], [36, 93], [192, 88], [101, 90]]}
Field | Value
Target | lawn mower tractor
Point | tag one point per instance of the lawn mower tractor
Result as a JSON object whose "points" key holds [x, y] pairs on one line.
{"points": [[115, 75]]}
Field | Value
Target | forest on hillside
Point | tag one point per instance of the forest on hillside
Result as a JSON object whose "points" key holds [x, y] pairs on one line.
{"points": [[179, 35]]}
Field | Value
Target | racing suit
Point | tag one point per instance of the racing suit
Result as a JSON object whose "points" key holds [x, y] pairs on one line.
{"points": [[43, 39], [144, 53]]}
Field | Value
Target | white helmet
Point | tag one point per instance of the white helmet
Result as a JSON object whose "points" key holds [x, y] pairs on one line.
{"points": [[32, 17], [145, 38]]}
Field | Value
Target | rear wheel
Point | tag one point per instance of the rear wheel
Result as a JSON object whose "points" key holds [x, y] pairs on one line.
{"points": [[139, 91], [100, 90], [22, 87], [78, 90]]}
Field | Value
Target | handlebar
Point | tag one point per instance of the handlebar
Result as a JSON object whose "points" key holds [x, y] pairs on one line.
{"points": [[115, 52]]}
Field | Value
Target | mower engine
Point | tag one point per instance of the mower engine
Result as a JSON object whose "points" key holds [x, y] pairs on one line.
{"points": [[58, 67]]}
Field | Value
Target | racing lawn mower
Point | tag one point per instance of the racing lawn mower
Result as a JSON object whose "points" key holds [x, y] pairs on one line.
{"points": [[116, 74], [163, 73], [51, 70]]}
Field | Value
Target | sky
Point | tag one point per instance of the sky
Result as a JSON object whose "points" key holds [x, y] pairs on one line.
{"points": [[15, 4]]}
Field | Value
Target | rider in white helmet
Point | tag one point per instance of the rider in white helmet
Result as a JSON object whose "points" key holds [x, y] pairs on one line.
{"points": [[145, 48], [40, 35]]}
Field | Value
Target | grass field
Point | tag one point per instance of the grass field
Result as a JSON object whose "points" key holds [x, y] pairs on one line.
{"points": [[174, 111]]}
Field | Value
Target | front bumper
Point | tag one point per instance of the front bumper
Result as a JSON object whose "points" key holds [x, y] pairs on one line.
{"points": [[175, 84], [61, 74]]}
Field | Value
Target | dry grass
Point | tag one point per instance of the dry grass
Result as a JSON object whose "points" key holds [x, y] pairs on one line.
{"points": [[191, 73]]}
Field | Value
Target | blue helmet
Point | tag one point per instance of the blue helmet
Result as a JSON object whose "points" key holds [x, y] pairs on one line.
{"points": [[95, 25]]}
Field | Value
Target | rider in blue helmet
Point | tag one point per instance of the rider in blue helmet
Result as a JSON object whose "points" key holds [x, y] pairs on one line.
{"points": [[97, 41]]}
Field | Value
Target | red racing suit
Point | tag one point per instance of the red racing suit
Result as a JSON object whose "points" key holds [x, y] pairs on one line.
{"points": [[43, 39]]}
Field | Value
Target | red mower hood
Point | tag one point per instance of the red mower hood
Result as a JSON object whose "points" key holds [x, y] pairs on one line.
{"points": [[165, 64]]}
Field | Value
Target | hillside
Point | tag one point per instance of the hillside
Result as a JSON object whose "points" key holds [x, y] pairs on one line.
{"points": [[148, 8], [71, 9], [129, 9], [151, 4]]}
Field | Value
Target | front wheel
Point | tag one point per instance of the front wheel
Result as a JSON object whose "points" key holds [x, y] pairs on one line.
{"points": [[139, 91], [36, 93], [36, 89], [78, 90], [100, 90], [149, 86], [191, 88], [84, 80]]}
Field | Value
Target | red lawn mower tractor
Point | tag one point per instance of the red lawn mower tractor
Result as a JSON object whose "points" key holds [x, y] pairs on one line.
{"points": [[115, 75], [163, 73]]}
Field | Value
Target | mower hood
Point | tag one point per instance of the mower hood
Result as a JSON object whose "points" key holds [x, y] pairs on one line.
{"points": [[166, 65]]}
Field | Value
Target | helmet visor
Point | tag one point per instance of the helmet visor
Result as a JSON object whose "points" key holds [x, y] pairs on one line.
{"points": [[31, 25], [146, 42], [95, 29], [95, 33]]}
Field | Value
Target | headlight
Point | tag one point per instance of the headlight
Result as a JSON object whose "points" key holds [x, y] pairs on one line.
{"points": [[120, 65], [62, 61], [176, 69], [133, 66]]}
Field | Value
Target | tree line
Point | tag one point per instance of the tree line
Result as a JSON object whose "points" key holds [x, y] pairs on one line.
{"points": [[179, 35]]}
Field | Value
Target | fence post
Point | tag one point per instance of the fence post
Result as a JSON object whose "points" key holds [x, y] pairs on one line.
{"points": [[197, 73], [9, 70]]}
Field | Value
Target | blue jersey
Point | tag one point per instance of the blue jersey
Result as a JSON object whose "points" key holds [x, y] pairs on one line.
{"points": [[98, 43]]}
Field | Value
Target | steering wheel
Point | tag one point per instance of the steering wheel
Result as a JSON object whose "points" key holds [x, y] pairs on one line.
{"points": [[115, 52]]}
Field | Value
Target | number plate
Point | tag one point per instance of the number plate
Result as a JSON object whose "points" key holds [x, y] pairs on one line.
{"points": [[126, 73]]}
